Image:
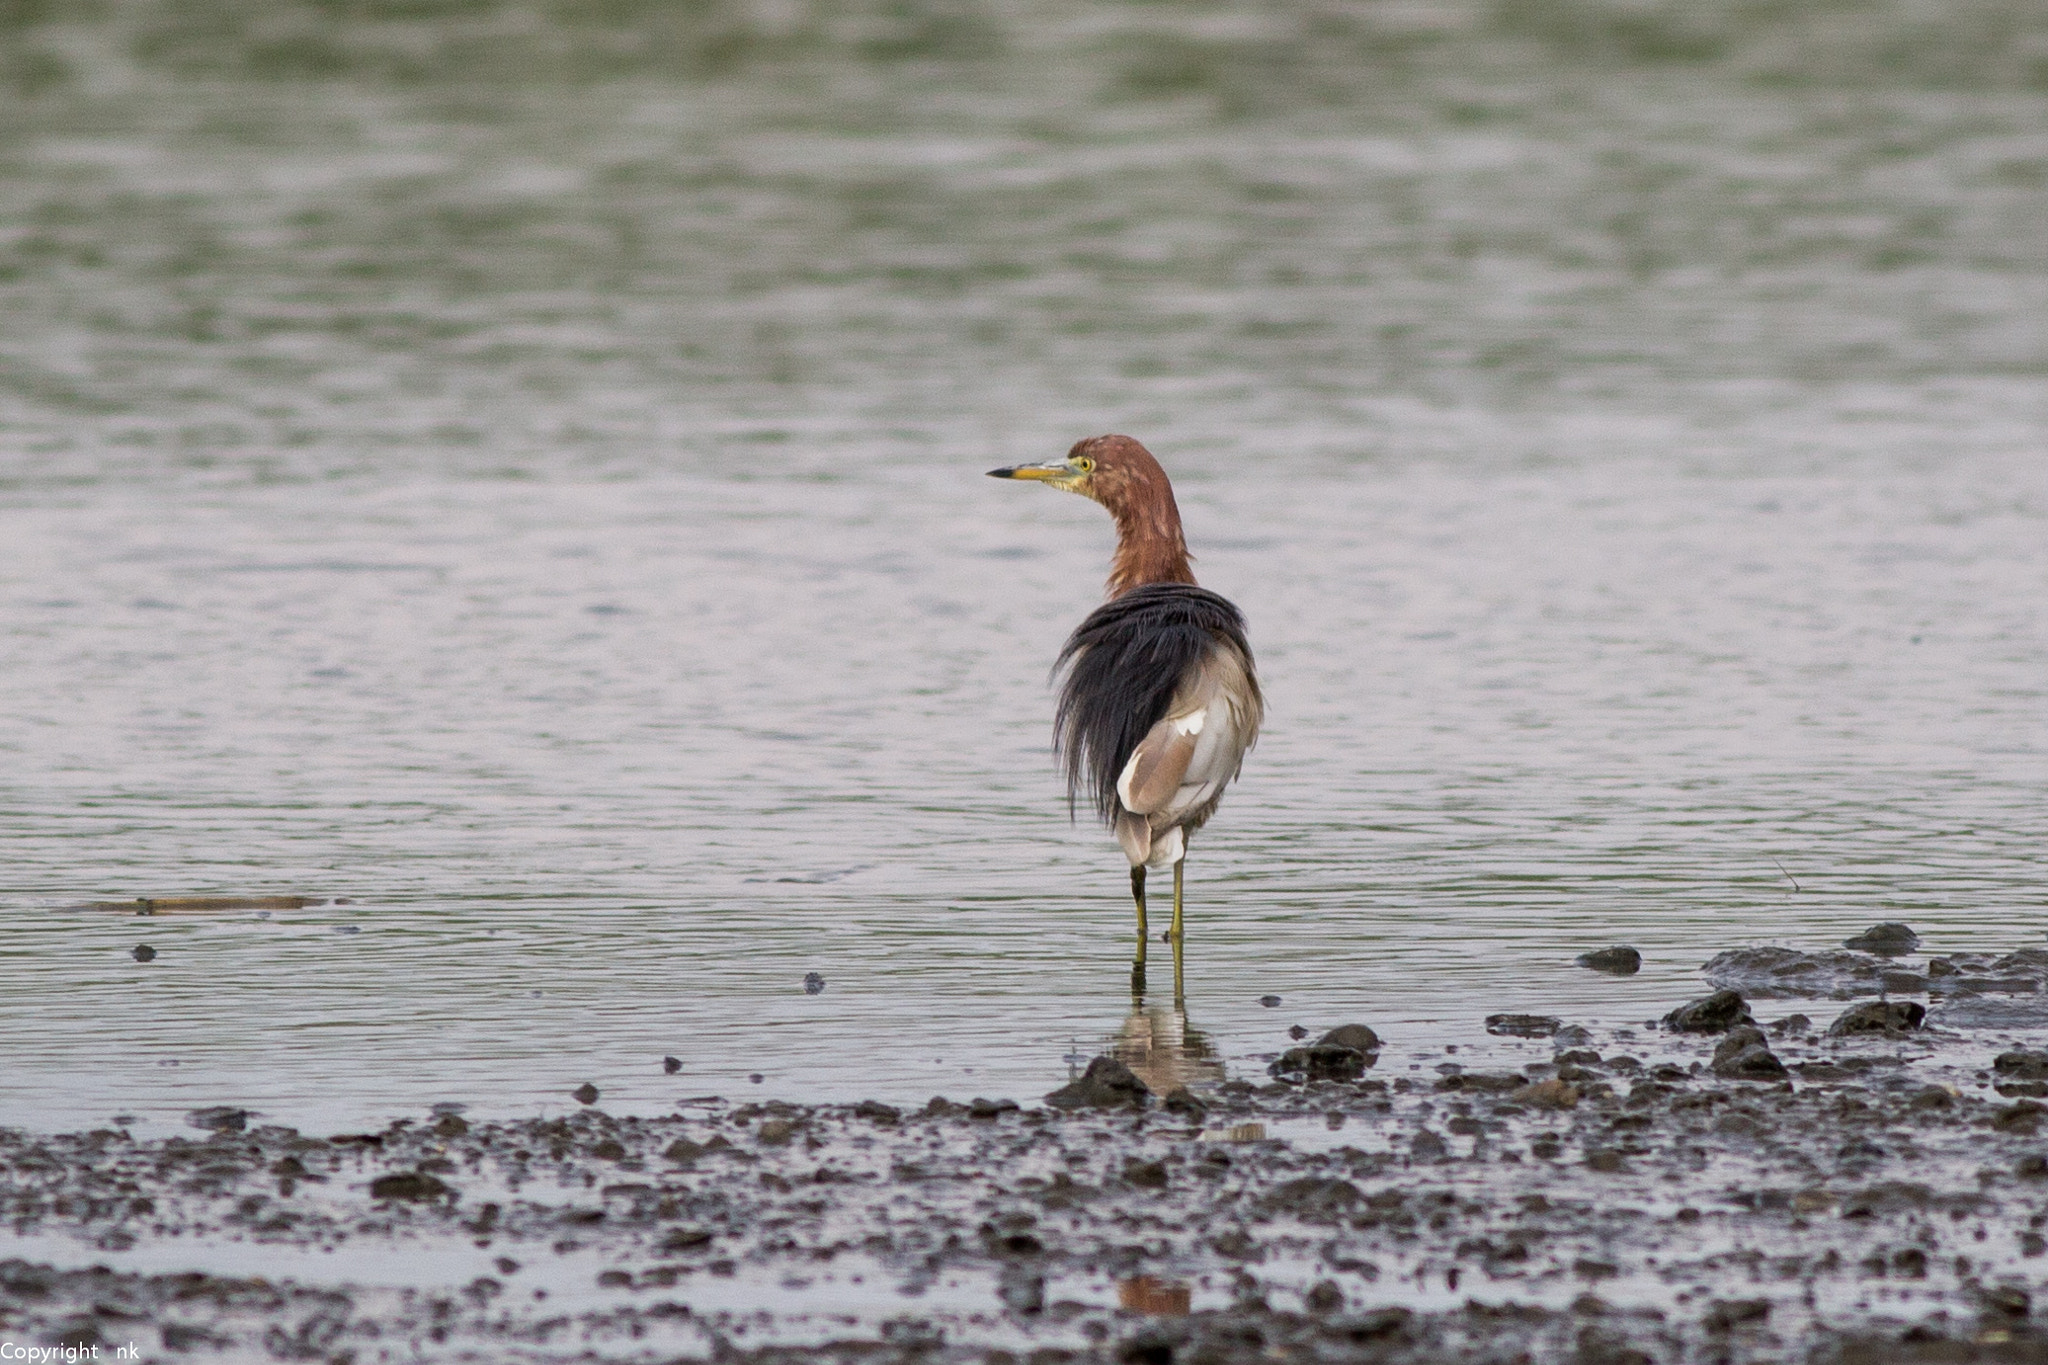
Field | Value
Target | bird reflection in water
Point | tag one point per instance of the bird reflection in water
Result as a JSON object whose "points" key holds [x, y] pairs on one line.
{"points": [[1160, 1046]]}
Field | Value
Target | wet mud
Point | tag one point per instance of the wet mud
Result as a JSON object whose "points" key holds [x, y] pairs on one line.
{"points": [[1726, 1186]]}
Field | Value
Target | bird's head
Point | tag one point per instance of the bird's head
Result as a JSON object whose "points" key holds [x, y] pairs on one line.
{"points": [[1113, 470]]}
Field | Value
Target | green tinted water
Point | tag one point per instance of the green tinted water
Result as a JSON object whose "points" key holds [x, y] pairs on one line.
{"points": [[519, 468]]}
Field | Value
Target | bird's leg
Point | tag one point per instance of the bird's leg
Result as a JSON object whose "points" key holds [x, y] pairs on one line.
{"points": [[1173, 936], [1138, 895], [1173, 933]]}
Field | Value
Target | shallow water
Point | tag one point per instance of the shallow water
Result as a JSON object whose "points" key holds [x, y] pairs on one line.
{"points": [[550, 518]]}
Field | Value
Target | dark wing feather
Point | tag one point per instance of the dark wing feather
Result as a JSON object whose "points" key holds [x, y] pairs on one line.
{"points": [[1122, 666]]}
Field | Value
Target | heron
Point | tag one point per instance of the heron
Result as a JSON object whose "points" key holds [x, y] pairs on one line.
{"points": [[1158, 695]]}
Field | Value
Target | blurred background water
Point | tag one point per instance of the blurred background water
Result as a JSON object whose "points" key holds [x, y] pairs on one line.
{"points": [[518, 467]]}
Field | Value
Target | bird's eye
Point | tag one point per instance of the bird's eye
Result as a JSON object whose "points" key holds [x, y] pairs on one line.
{"points": [[1085, 465]]}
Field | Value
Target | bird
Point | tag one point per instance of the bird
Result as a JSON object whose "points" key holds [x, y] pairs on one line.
{"points": [[1159, 697]]}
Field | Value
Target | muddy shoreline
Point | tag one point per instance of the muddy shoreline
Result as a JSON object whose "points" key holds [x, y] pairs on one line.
{"points": [[1759, 1189]]}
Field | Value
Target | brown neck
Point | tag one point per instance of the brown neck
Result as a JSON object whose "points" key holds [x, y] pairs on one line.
{"points": [[1149, 546]]}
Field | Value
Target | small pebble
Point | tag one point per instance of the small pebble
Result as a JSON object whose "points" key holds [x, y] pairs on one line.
{"points": [[756, 1078], [1890, 939], [1297, 1033], [813, 983], [1271, 1002], [1357, 1037], [671, 1065], [1522, 1025], [219, 1118], [144, 953], [1620, 960], [585, 1093]]}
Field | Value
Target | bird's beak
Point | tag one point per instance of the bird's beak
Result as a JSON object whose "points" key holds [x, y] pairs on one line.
{"points": [[1045, 473]]}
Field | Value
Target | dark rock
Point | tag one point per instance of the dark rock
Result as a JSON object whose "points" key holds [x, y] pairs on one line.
{"points": [[1379, 1325], [585, 1093], [181, 1338], [219, 1118], [1146, 1175], [990, 1109], [1977, 1011], [1356, 1036], [1320, 1063], [2022, 1065], [1716, 1013], [1019, 1244], [1021, 1289], [450, 1125], [1323, 1298], [1106, 1084], [814, 982], [1791, 1024], [2022, 1117], [683, 1151], [2020, 973], [1271, 1002], [1314, 1198], [1731, 1314], [2008, 1301], [686, 1239], [1521, 1025], [143, 953], [1550, 1094], [876, 1112], [1181, 1101], [1890, 939], [1427, 1146], [671, 1065], [1483, 1082], [1297, 1033], [1887, 1018], [1744, 1056], [413, 1186], [83, 1338], [1772, 971], [1620, 960], [1151, 1346]]}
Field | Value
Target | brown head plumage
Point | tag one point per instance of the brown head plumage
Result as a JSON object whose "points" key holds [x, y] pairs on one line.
{"points": [[1123, 476]]}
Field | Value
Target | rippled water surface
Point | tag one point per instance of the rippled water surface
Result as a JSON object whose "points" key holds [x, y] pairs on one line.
{"points": [[545, 519]]}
